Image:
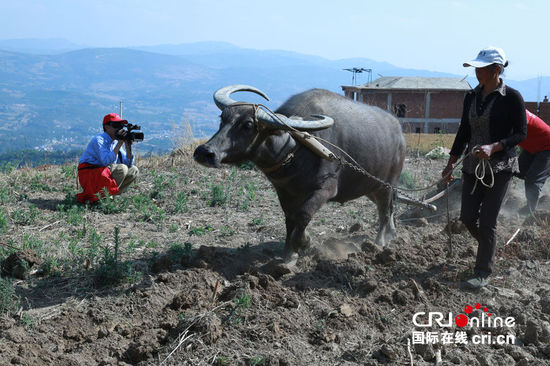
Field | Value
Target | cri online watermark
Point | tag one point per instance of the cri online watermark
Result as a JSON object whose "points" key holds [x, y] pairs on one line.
{"points": [[485, 321]]}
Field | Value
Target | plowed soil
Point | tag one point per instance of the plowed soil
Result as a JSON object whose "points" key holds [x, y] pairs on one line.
{"points": [[207, 285]]}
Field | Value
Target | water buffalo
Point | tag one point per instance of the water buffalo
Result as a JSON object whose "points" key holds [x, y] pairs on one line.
{"points": [[303, 180]]}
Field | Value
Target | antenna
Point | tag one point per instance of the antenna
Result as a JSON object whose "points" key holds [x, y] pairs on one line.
{"points": [[357, 70], [538, 90]]}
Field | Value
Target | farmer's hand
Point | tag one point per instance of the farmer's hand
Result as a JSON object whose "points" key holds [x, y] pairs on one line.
{"points": [[485, 151], [446, 173]]}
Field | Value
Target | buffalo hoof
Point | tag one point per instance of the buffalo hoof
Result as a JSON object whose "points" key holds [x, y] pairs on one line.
{"points": [[290, 256]]}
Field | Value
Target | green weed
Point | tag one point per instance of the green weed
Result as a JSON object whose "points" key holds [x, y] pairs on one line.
{"points": [[218, 196], [201, 230], [237, 312], [7, 168], [37, 184], [249, 192], [75, 215], [25, 217], [406, 180], [180, 204], [246, 165], [3, 221], [160, 183], [27, 321], [69, 171], [110, 204], [221, 361], [177, 250], [112, 271], [6, 195], [9, 301], [51, 266], [258, 221], [256, 361], [32, 242]]}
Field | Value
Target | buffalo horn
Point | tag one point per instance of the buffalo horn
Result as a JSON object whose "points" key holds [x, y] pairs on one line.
{"points": [[222, 99]]}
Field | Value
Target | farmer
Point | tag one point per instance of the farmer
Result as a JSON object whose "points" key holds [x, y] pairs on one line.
{"points": [[493, 123], [534, 160], [105, 164]]}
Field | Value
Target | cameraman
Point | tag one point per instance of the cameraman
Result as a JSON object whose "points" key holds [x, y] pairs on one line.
{"points": [[104, 163]]}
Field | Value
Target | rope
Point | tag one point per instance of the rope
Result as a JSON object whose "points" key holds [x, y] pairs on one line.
{"points": [[480, 172]]}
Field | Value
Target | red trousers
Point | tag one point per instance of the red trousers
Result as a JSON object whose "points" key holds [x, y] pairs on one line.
{"points": [[93, 180]]}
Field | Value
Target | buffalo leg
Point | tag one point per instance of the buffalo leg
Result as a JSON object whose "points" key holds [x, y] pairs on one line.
{"points": [[297, 219], [383, 199]]}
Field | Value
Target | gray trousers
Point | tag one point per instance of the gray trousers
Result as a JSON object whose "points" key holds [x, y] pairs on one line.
{"points": [[123, 175], [535, 169], [479, 214]]}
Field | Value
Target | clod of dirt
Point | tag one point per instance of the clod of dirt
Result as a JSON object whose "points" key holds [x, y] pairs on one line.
{"points": [[387, 256], [546, 350], [388, 352], [162, 264], [399, 297], [355, 228], [19, 263], [210, 327], [188, 299], [421, 222], [368, 286], [532, 331], [455, 226], [426, 351], [140, 350], [346, 310], [545, 305], [369, 246], [518, 353], [276, 268]]}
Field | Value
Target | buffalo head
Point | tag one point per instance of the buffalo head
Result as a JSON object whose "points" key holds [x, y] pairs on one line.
{"points": [[245, 126]]}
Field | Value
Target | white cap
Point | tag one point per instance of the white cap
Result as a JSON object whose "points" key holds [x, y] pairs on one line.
{"points": [[488, 56]]}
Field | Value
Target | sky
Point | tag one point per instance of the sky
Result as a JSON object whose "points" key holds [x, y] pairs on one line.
{"points": [[437, 35]]}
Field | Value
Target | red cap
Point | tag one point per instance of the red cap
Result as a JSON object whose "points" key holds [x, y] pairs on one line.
{"points": [[113, 117]]}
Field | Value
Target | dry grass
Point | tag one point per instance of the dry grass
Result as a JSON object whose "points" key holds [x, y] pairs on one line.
{"points": [[424, 142]]}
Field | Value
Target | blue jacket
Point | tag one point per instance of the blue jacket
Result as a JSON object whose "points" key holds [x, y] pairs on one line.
{"points": [[100, 152]]}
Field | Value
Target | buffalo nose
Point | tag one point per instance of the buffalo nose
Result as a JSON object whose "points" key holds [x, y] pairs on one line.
{"points": [[204, 153]]}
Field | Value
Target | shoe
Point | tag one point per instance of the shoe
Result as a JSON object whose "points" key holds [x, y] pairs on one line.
{"points": [[477, 282]]}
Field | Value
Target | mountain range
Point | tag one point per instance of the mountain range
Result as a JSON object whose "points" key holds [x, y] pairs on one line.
{"points": [[53, 93]]}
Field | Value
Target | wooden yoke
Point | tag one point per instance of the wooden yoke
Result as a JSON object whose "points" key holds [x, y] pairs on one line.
{"points": [[311, 143]]}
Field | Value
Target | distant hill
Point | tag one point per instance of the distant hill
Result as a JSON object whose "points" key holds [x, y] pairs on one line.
{"points": [[39, 46], [55, 101]]}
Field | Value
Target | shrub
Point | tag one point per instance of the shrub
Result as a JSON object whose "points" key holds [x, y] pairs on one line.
{"points": [[406, 180], [112, 271], [218, 196]]}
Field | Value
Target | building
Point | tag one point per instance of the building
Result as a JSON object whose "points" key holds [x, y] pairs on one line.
{"points": [[541, 109], [422, 104]]}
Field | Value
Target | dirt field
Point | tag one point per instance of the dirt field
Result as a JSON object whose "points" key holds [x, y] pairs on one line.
{"points": [[185, 269]]}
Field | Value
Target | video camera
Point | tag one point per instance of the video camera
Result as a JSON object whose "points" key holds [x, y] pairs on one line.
{"points": [[126, 133]]}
